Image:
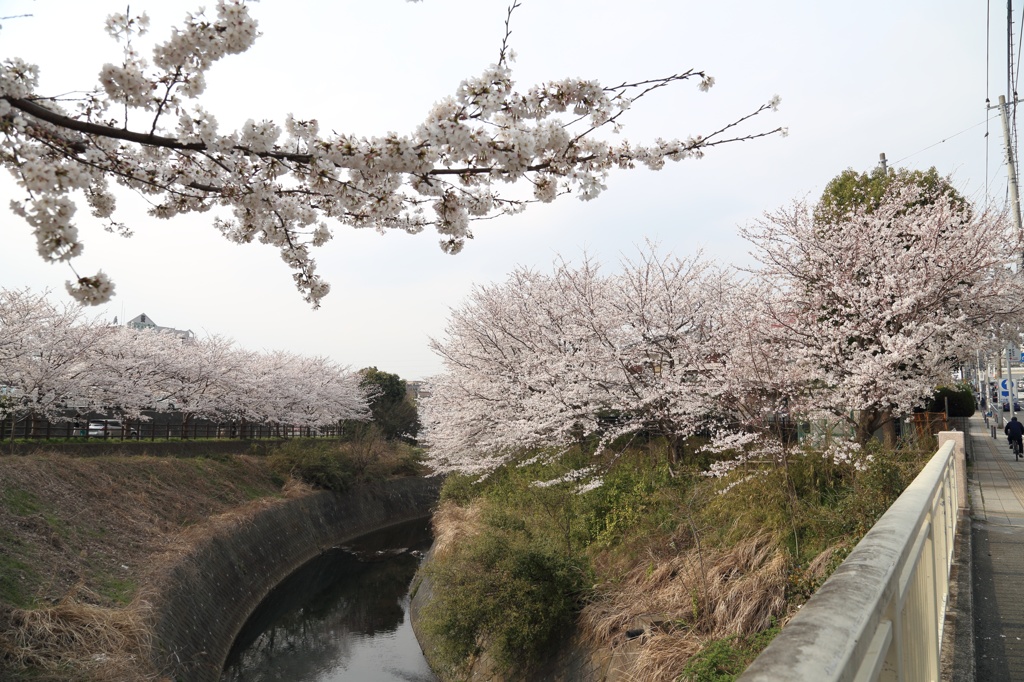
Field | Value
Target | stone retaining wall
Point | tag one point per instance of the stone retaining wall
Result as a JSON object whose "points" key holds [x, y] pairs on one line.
{"points": [[201, 605]]}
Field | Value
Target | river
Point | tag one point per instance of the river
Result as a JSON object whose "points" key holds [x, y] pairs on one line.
{"points": [[343, 617]]}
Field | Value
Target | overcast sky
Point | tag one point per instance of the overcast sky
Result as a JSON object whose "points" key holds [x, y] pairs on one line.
{"points": [[906, 78]]}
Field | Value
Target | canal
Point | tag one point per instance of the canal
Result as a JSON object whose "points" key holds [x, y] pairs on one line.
{"points": [[342, 617]]}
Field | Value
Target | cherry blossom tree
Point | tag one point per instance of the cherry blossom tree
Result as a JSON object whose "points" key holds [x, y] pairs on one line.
{"points": [[857, 317], [543, 360], [877, 304], [43, 354], [307, 392], [131, 370], [283, 184], [53, 358]]}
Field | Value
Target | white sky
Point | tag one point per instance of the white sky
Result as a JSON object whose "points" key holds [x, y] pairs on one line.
{"points": [[906, 78]]}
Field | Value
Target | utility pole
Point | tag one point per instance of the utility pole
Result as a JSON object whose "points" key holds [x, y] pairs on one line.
{"points": [[982, 384], [1011, 166], [1009, 379]]}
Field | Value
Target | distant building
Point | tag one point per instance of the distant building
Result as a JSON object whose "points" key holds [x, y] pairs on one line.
{"points": [[143, 321], [416, 390]]}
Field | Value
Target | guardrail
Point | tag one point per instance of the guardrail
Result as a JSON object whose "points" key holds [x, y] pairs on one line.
{"points": [[880, 615]]}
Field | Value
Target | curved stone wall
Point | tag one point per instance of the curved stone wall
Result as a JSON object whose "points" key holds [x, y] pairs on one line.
{"points": [[201, 605]]}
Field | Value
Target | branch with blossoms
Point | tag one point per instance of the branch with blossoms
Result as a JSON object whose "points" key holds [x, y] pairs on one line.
{"points": [[143, 128]]}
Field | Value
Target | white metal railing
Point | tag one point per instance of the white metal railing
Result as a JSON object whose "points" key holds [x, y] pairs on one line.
{"points": [[880, 615]]}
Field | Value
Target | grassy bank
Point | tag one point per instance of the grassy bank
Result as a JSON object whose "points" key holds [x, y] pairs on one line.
{"points": [[82, 537], [702, 572]]}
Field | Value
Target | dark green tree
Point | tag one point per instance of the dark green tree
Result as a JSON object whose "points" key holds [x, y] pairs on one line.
{"points": [[959, 398], [394, 413], [851, 189]]}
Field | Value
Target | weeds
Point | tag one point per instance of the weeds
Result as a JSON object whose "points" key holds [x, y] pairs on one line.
{"points": [[725, 659], [77, 640], [20, 502], [705, 568], [337, 465], [498, 589]]}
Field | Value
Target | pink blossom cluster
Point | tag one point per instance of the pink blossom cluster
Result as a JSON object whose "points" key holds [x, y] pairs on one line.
{"points": [[52, 357], [144, 128], [542, 359], [851, 322], [877, 308]]}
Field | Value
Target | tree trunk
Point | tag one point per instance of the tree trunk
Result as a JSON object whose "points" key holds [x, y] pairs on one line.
{"points": [[888, 430], [866, 426], [869, 421]]}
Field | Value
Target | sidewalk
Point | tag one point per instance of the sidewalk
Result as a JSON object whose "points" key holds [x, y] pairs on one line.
{"points": [[996, 489]]}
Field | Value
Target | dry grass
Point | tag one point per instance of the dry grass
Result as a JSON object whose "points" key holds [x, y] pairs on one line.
{"points": [[686, 600], [822, 565], [81, 641], [453, 524], [294, 488], [662, 656], [87, 537]]}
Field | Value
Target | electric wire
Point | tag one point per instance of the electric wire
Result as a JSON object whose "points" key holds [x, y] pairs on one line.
{"points": [[950, 137], [1011, 85], [1020, 46]]}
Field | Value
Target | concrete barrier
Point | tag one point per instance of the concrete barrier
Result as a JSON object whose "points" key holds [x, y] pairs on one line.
{"points": [[880, 616], [202, 603]]}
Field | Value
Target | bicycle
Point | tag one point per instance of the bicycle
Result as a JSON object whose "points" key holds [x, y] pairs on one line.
{"points": [[1015, 445]]}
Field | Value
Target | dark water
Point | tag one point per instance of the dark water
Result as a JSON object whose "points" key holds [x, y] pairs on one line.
{"points": [[341, 617]]}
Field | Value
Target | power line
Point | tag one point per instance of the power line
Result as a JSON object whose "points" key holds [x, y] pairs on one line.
{"points": [[1011, 85], [950, 137]]}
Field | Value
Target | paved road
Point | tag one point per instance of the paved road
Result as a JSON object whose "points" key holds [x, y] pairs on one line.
{"points": [[997, 534]]}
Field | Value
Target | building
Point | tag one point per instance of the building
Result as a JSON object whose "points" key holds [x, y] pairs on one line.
{"points": [[143, 321]]}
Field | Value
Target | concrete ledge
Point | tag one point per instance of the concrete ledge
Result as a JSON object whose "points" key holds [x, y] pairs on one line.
{"points": [[958, 630], [202, 603]]}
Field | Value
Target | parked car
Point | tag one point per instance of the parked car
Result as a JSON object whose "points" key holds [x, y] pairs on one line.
{"points": [[110, 428], [1006, 406]]}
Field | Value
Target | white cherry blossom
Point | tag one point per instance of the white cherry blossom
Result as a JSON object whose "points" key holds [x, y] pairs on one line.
{"points": [[143, 127]]}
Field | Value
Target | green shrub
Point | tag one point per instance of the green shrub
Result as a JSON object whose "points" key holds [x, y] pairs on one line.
{"points": [[725, 659], [500, 591], [460, 488], [812, 502], [318, 463], [337, 465], [629, 498]]}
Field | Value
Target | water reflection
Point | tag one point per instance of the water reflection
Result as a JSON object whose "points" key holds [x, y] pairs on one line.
{"points": [[340, 617]]}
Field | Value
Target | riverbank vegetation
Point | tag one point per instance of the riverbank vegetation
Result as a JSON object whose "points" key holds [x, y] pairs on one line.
{"points": [[81, 538], [700, 572], [702, 444]]}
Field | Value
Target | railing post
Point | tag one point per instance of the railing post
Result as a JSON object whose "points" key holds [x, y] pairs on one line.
{"points": [[960, 463]]}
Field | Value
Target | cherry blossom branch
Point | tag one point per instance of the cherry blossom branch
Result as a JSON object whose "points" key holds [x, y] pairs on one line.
{"points": [[483, 136]]}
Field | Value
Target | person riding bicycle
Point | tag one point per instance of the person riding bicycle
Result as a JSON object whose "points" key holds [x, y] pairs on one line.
{"points": [[1014, 430]]}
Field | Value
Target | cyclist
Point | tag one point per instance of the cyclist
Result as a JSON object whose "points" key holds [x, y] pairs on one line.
{"points": [[1014, 430]]}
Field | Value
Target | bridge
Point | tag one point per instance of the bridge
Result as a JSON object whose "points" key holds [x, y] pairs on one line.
{"points": [[934, 591]]}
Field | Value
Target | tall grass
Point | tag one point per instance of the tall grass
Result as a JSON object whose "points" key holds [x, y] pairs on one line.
{"points": [[337, 465], [699, 566]]}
